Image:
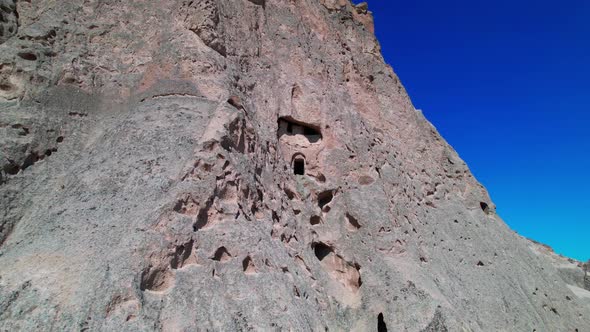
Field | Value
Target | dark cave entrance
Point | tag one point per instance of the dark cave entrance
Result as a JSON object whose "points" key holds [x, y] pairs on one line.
{"points": [[299, 166], [290, 127], [484, 207], [321, 250], [381, 327]]}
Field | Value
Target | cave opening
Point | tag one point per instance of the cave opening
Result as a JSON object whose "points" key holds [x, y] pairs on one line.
{"points": [[290, 127], [381, 327], [324, 198], [484, 207], [321, 250]]}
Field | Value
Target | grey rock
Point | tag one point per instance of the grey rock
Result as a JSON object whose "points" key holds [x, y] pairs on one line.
{"points": [[571, 271], [8, 20], [149, 152]]}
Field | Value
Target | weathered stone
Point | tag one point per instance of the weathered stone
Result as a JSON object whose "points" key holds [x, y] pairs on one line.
{"points": [[8, 20], [362, 8], [572, 272], [241, 165]]}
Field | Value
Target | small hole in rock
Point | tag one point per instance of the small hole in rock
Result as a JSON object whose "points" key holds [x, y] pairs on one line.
{"points": [[381, 326], [221, 255], [24, 130], [11, 169], [321, 250], [30, 160], [6, 87], [27, 56], [352, 224], [484, 207], [182, 254], [325, 198], [248, 265], [315, 220], [59, 139], [155, 279], [321, 178], [290, 194]]}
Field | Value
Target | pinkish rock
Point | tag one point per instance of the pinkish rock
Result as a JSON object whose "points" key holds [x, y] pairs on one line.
{"points": [[240, 165]]}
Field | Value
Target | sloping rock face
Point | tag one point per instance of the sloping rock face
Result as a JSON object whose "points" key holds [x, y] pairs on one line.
{"points": [[573, 273], [240, 165]]}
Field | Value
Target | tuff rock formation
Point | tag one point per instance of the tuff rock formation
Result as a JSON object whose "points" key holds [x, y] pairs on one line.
{"points": [[572, 272], [187, 165]]}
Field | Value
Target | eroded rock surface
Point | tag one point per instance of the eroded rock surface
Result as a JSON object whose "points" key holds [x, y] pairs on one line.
{"points": [[240, 165], [572, 272]]}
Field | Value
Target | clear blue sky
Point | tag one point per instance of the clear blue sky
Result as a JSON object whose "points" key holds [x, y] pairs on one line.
{"points": [[507, 83]]}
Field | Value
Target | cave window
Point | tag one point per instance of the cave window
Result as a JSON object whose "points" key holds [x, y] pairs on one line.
{"points": [[299, 166], [310, 131], [289, 126], [484, 207]]}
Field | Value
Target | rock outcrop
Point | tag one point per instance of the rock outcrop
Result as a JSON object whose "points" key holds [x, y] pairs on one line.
{"points": [[240, 165], [572, 272]]}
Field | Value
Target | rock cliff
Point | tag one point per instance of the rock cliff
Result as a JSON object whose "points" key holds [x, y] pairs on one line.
{"points": [[240, 165], [574, 273]]}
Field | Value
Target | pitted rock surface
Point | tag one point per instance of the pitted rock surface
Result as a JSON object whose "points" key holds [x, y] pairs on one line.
{"points": [[240, 165]]}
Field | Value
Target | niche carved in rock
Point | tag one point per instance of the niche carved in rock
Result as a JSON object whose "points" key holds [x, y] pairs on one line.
{"points": [[348, 274], [300, 145], [291, 127]]}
